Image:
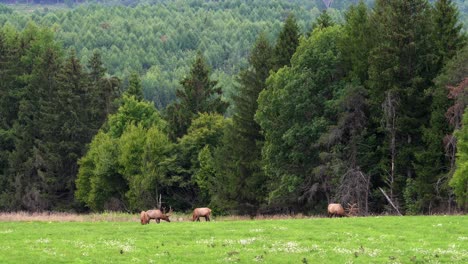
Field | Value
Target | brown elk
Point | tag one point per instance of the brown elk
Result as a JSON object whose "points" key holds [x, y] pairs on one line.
{"points": [[155, 214], [336, 210], [144, 218], [201, 212]]}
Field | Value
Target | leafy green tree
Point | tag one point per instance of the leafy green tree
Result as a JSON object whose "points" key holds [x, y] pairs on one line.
{"points": [[459, 181], [133, 111], [119, 154], [205, 131], [293, 113], [99, 185]]}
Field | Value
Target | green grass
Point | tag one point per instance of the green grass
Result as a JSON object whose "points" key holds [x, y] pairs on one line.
{"points": [[419, 239]]}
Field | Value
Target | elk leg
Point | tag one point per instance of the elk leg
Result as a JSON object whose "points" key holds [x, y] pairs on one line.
{"points": [[207, 218]]}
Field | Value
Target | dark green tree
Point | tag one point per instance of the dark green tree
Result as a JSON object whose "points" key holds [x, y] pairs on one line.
{"points": [[435, 164], [243, 140], [199, 94], [31, 164], [447, 33], [323, 21], [103, 90], [134, 86], [357, 42], [287, 42], [401, 68]]}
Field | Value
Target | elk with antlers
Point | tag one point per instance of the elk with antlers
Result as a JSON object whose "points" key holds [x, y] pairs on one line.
{"points": [[156, 214], [336, 210]]}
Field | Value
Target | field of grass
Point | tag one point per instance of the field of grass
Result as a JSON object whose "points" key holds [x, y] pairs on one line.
{"points": [[418, 239]]}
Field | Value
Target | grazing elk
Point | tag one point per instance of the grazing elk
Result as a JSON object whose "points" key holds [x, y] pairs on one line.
{"points": [[144, 218], [155, 214], [336, 210], [201, 212]]}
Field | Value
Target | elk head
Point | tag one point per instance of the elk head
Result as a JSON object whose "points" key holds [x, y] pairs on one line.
{"points": [[352, 210], [165, 216]]}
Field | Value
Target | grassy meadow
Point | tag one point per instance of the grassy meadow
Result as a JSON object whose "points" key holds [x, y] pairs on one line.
{"points": [[120, 239]]}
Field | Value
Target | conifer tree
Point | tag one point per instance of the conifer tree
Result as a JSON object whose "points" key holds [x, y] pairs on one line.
{"points": [[134, 86], [34, 167], [323, 21], [199, 94], [432, 164], [243, 140], [287, 42], [447, 31], [401, 68], [103, 90]]}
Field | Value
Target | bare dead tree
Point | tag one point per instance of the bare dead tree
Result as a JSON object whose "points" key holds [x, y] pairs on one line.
{"points": [[354, 189], [390, 106]]}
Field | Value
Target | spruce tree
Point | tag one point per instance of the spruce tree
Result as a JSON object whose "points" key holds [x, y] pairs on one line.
{"points": [[432, 164], [199, 94], [447, 33], [401, 68], [243, 141], [103, 90], [323, 21], [358, 42], [134, 86], [33, 165], [287, 42]]}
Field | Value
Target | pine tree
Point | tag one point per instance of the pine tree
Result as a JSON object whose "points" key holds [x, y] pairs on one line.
{"points": [[401, 68], [9, 104], [358, 42], [34, 167], [323, 21], [199, 94], [103, 90], [287, 42], [432, 165], [447, 31], [243, 140], [134, 86]]}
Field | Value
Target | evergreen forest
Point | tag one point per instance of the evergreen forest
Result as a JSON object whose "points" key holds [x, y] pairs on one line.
{"points": [[248, 107]]}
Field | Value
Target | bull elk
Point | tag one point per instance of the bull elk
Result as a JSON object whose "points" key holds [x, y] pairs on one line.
{"points": [[336, 210], [156, 214], [201, 212]]}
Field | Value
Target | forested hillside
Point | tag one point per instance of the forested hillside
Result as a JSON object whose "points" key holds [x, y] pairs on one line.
{"points": [[245, 106], [158, 39]]}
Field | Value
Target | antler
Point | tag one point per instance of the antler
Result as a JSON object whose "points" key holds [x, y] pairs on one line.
{"points": [[170, 211], [352, 209]]}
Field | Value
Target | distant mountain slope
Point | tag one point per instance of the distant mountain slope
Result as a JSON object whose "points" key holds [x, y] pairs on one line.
{"points": [[159, 38]]}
